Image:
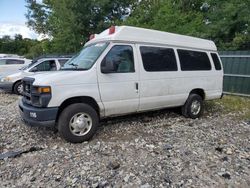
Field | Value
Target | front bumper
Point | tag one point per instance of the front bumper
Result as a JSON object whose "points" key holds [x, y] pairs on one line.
{"points": [[34, 116], [6, 86]]}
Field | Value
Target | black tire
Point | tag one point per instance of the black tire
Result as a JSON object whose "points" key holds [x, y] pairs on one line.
{"points": [[65, 128], [186, 108], [16, 88]]}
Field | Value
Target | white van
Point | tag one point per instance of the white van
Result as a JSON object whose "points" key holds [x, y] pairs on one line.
{"points": [[120, 71], [13, 82]]}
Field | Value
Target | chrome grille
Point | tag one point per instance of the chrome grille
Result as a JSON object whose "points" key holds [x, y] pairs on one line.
{"points": [[27, 88]]}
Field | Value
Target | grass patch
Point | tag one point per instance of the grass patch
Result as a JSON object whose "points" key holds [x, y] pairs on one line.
{"points": [[231, 104]]}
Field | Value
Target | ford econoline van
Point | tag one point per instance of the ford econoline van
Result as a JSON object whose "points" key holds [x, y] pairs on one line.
{"points": [[120, 71]]}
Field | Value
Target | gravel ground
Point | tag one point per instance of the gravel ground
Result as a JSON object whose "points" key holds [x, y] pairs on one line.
{"points": [[155, 149]]}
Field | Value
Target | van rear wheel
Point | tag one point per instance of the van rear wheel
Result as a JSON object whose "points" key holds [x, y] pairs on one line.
{"points": [[78, 123], [193, 108]]}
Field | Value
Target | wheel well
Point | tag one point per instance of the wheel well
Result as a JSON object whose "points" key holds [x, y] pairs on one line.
{"points": [[87, 100], [200, 92], [15, 84]]}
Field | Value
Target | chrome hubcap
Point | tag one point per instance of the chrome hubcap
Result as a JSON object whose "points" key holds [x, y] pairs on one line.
{"points": [[80, 124], [20, 88], [195, 107]]}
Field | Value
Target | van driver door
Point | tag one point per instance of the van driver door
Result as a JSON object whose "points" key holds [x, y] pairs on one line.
{"points": [[118, 79]]}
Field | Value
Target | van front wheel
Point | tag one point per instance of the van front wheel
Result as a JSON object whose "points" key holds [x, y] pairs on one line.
{"points": [[78, 123], [193, 108]]}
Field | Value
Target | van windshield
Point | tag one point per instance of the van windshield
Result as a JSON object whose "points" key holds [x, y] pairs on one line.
{"points": [[85, 59]]}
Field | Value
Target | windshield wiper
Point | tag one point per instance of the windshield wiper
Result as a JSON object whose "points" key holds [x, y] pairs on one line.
{"points": [[73, 64]]}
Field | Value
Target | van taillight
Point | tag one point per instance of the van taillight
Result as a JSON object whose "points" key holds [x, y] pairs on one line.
{"points": [[111, 30], [91, 36]]}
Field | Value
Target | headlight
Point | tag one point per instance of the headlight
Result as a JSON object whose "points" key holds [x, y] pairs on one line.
{"points": [[6, 79], [40, 96]]}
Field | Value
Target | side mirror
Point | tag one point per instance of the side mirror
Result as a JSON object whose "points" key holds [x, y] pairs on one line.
{"points": [[108, 67], [34, 69]]}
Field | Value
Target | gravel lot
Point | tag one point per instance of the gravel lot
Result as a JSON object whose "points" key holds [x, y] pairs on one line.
{"points": [[155, 149]]}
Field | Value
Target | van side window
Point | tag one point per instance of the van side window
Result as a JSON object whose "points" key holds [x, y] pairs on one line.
{"points": [[158, 59], [121, 56], [216, 61], [193, 60]]}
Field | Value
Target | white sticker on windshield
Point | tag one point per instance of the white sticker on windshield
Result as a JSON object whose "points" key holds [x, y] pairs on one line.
{"points": [[99, 44]]}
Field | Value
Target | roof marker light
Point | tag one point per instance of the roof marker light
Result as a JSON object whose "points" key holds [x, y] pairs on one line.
{"points": [[111, 30], [92, 36]]}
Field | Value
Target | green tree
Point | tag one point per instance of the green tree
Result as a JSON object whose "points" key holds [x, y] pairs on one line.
{"points": [[224, 21], [70, 22], [28, 47], [35, 51], [7, 45], [229, 23]]}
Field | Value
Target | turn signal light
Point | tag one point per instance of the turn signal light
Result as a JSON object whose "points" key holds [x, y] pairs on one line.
{"points": [[44, 90]]}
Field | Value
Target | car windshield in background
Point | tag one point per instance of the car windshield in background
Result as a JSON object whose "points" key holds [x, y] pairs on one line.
{"points": [[24, 67], [85, 59], [29, 65]]}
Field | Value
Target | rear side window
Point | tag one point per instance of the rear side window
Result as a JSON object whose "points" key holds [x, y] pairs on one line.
{"points": [[216, 61], [14, 61], [157, 59], [193, 60]]}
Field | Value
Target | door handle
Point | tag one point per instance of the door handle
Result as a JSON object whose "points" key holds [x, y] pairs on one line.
{"points": [[136, 86]]}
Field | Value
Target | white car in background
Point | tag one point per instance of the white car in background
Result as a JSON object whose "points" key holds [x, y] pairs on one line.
{"points": [[10, 65], [13, 82]]}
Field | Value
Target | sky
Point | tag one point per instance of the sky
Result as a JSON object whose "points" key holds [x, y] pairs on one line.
{"points": [[12, 19]]}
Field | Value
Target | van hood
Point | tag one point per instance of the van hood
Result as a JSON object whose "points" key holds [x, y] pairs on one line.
{"points": [[63, 78]]}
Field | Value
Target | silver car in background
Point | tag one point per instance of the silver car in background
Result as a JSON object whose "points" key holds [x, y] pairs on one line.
{"points": [[13, 82], [9, 65]]}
